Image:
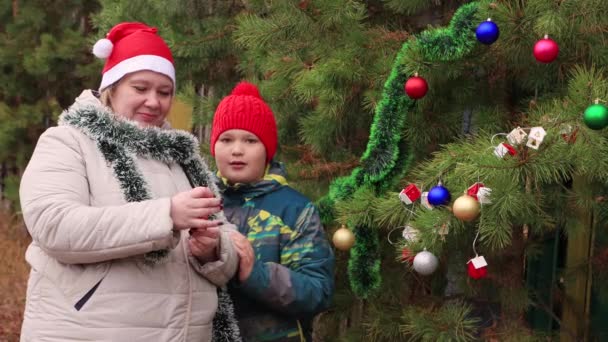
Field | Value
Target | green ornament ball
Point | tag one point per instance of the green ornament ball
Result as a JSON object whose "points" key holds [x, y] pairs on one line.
{"points": [[596, 116]]}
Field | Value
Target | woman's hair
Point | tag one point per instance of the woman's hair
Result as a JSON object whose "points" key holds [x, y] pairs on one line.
{"points": [[106, 95]]}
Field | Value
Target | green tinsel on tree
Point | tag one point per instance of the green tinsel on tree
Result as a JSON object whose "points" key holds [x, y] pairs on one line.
{"points": [[384, 149]]}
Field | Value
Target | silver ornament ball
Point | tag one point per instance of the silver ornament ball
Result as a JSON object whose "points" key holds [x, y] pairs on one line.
{"points": [[425, 263]]}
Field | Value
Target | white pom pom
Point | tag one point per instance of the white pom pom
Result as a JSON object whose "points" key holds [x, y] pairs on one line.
{"points": [[103, 48]]}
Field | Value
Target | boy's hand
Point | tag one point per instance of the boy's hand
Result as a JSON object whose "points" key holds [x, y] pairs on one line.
{"points": [[245, 251]]}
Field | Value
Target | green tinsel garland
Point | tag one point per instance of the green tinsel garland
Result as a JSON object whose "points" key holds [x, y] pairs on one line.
{"points": [[364, 262], [388, 156]]}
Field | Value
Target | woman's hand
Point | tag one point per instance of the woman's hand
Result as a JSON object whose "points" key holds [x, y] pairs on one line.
{"points": [[204, 243], [190, 209], [245, 252]]}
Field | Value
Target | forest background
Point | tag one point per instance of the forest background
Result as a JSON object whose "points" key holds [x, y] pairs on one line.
{"points": [[326, 67]]}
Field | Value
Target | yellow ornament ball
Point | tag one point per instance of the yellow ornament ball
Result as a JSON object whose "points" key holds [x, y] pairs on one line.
{"points": [[466, 208], [343, 238]]}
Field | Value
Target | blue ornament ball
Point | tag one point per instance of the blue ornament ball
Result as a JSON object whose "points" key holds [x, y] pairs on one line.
{"points": [[439, 195], [487, 32]]}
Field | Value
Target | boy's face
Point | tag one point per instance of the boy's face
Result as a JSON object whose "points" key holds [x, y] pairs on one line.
{"points": [[240, 156]]}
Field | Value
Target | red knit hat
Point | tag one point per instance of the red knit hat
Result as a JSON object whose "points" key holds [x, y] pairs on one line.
{"points": [[131, 47], [245, 109]]}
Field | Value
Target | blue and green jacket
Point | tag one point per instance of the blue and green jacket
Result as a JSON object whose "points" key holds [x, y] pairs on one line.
{"points": [[292, 277]]}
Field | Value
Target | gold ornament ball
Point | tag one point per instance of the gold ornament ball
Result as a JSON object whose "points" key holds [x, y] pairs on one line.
{"points": [[343, 239], [466, 208]]}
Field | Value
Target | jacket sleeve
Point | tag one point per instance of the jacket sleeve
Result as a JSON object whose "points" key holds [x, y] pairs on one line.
{"points": [[55, 201], [303, 283], [219, 272]]}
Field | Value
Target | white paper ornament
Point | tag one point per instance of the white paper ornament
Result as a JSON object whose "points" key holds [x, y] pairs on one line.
{"points": [[424, 200], [410, 234], [516, 136], [479, 262], [503, 149], [425, 263], [537, 134], [565, 129], [483, 195]]}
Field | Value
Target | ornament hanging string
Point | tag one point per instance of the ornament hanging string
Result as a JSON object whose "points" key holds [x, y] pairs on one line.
{"points": [[390, 232], [505, 134], [478, 224], [475, 241], [496, 135], [492, 139]]}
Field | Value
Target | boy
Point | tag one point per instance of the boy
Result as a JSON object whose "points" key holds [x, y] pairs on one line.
{"points": [[285, 273]]}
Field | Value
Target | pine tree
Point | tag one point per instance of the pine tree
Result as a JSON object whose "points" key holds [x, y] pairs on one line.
{"points": [[553, 193], [45, 62], [322, 64]]}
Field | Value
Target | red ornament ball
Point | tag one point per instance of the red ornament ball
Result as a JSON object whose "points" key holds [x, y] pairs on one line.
{"points": [[416, 87], [546, 50], [477, 273], [407, 255]]}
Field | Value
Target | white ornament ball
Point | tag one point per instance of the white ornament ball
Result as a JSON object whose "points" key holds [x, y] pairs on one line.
{"points": [[103, 48], [425, 263]]}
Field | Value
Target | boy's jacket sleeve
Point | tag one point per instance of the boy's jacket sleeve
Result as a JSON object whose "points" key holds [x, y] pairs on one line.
{"points": [[303, 283]]}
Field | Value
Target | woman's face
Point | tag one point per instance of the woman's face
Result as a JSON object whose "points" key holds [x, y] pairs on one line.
{"points": [[144, 97]]}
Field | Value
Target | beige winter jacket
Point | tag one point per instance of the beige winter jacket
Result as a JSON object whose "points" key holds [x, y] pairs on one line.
{"points": [[88, 281]]}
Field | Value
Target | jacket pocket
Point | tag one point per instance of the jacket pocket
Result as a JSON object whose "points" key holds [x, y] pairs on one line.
{"points": [[80, 303], [72, 280]]}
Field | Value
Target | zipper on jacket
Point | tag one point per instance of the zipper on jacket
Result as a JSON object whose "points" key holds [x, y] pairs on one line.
{"points": [[189, 307]]}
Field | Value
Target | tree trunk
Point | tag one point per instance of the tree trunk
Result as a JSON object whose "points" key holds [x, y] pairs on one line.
{"points": [[577, 282], [355, 318], [3, 170]]}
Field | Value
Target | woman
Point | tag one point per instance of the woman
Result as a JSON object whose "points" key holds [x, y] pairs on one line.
{"points": [[129, 240]]}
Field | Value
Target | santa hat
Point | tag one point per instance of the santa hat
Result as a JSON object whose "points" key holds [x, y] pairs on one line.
{"points": [[131, 47], [245, 109]]}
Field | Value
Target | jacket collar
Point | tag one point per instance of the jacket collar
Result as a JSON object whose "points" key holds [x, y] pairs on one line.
{"points": [[99, 123], [274, 179]]}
